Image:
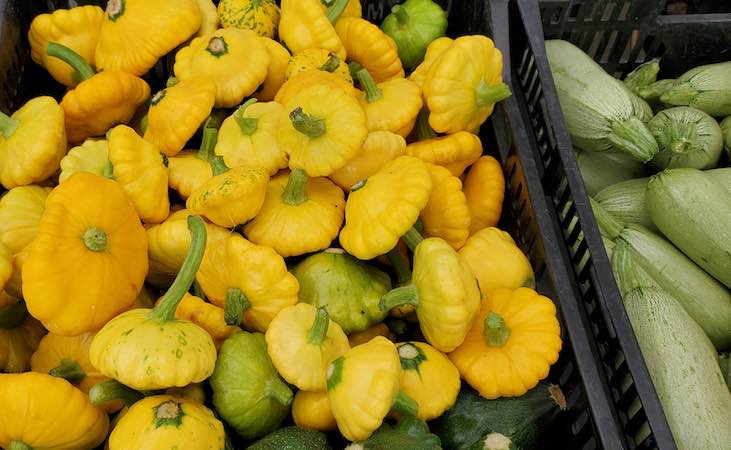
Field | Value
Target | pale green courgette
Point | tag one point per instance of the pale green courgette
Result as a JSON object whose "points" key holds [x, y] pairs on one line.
{"points": [[726, 130], [600, 170], [643, 76], [681, 360], [707, 301], [601, 113], [652, 92], [693, 210], [687, 137], [707, 88], [724, 361], [627, 202]]}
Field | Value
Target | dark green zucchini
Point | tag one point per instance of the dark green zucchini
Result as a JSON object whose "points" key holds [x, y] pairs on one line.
{"points": [[409, 434], [292, 438]]}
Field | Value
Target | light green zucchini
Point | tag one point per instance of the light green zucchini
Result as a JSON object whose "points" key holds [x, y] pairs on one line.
{"points": [[643, 76], [652, 92], [600, 170], [687, 137], [626, 201], [693, 210], [726, 130], [707, 88], [601, 113], [724, 361], [707, 301], [679, 357]]}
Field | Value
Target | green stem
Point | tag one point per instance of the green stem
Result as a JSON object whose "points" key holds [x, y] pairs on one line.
{"points": [[110, 390], [336, 10], [423, 130], [310, 126], [400, 266], [413, 238], [486, 94], [496, 331], [401, 15], [354, 67], [69, 370], [331, 65], [247, 125], [369, 85], [208, 143], [404, 295], [278, 391], [680, 94], [235, 306], [108, 170], [396, 326], [295, 193], [19, 445], [95, 239], [632, 137], [164, 311], [172, 81], [8, 125], [83, 70], [609, 226], [405, 405], [215, 119], [317, 333], [218, 165], [13, 316]]}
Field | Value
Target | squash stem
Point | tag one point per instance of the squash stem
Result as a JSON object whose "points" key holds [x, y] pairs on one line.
{"points": [[218, 165], [632, 137], [236, 305], [401, 14], [369, 85], [172, 81], [295, 193], [413, 238], [8, 125], [95, 239], [405, 405], [317, 333], [311, 126], [486, 94], [82, 69], [210, 137], [400, 266], [278, 391], [215, 119], [608, 224], [496, 331], [19, 445], [396, 326], [336, 10], [13, 316], [404, 295], [680, 94], [423, 130], [109, 390], [108, 170], [331, 65], [69, 370], [247, 125], [164, 311]]}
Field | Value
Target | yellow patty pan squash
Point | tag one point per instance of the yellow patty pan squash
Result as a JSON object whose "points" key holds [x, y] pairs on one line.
{"points": [[302, 80], [455, 151], [379, 148], [168, 245], [100, 100], [380, 329], [390, 105], [236, 61], [249, 137], [370, 47], [484, 188], [136, 33], [77, 28], [19, 335], [446, 215], [21, 209], [206, 315], [312, 410], [278, 61], [176, 113], [43, 412], [496, 261], [428, 377], [249, 281], [6, 265], [148, 349], [444, 291], [318, 59], [209, 17], [32, 142], [67, 357], [300, 214], [260, 16], [463, 85], [92, 156], [363, 386], [302, 341], [512, 344], [189, 170], [352, 9], [73, 279], [305, 24], [433, 52], [166, 421], [383, 207], [142, 171], [323, 130]]}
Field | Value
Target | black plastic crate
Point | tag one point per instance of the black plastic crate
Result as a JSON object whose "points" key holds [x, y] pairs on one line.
{"points": [[619, 35], [589, 421]]}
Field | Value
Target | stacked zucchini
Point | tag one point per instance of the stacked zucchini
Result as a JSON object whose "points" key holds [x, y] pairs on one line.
{"points": [[649, 151]]}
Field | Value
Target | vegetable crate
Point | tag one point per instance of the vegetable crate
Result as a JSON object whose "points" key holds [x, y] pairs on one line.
{"points": [[589, 422], [619, 35]]}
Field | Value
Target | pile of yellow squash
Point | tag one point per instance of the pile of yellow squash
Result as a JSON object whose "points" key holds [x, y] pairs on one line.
{"points": [[314, 144]]}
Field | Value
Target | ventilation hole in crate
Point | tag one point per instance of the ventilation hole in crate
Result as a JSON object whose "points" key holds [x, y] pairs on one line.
{"points": [[624, 11], [607, 13], [573, 12], [555, 16], [611, 43]]}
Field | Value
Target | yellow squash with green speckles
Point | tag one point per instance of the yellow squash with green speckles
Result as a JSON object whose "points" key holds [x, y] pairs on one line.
{"points": [[260, 16]]}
